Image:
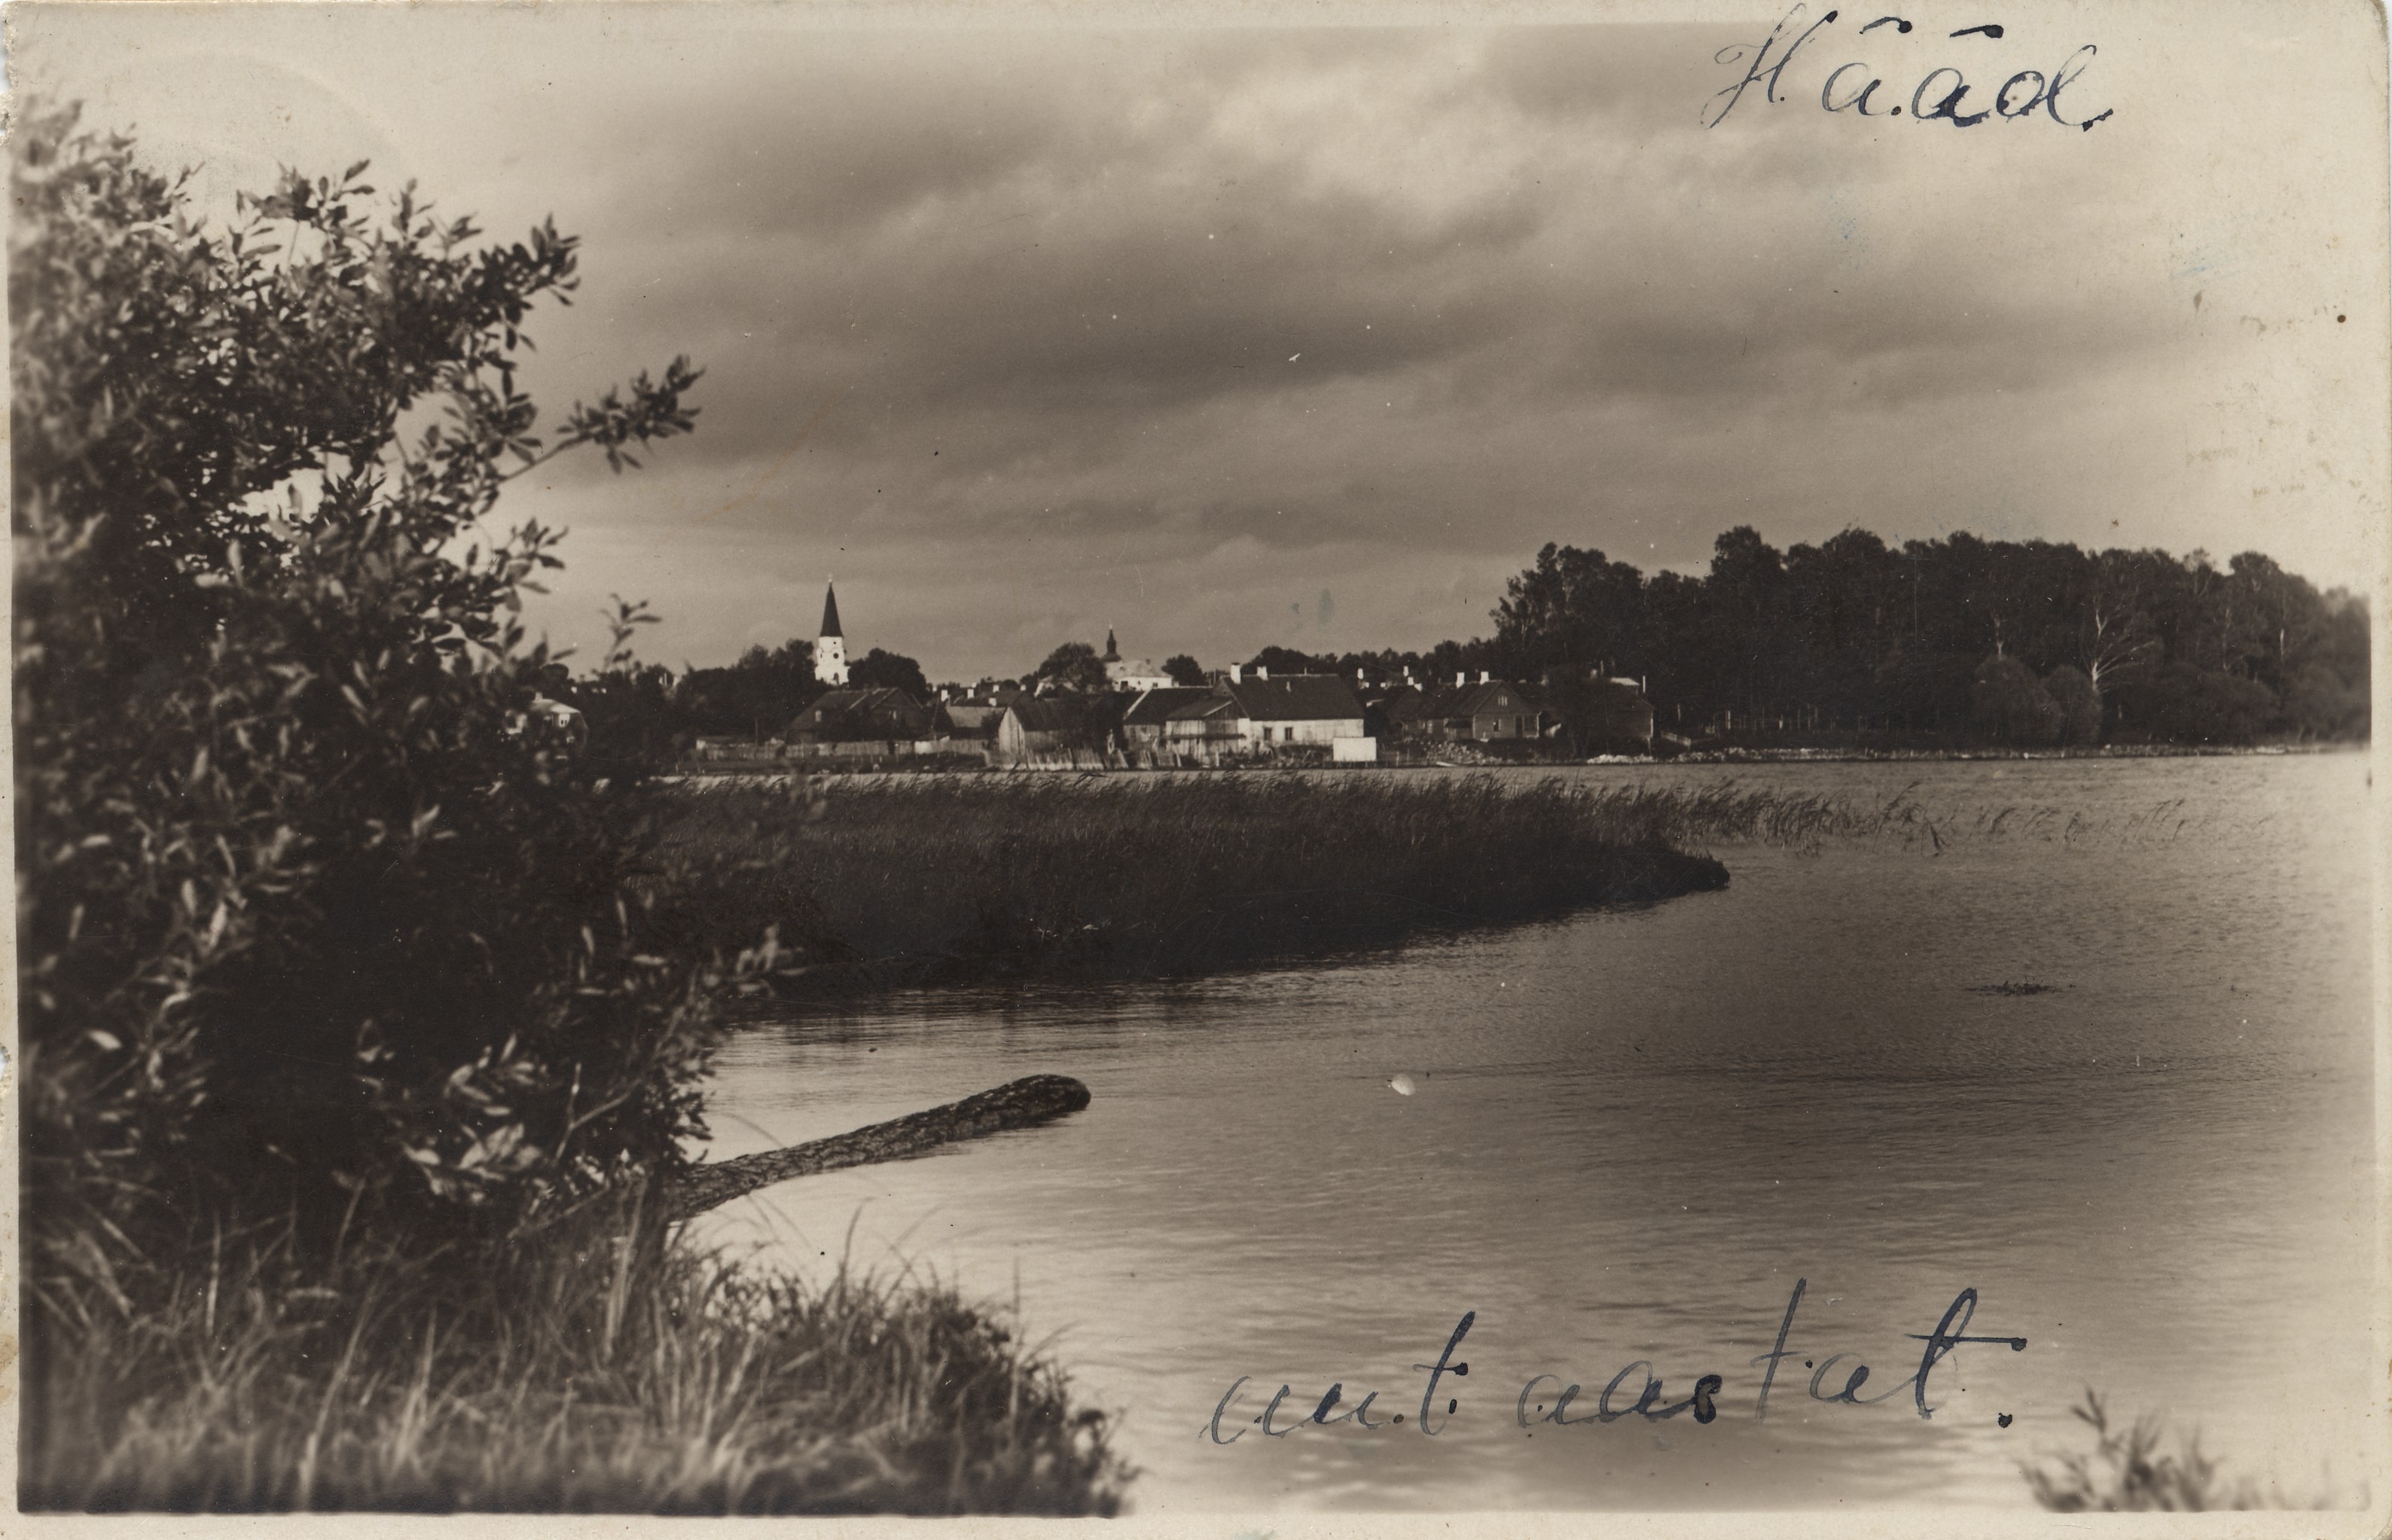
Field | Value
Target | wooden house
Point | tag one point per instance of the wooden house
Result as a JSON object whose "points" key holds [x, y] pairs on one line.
{"points": [[1487, 711], [1059, 731], [886, 715]]}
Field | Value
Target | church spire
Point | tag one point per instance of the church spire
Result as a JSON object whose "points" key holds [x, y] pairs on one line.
{"points": [[1112, 653], [830, 646]]}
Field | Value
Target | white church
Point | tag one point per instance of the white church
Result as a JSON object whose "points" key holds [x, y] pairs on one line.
{"points": [[1133, 675], [830, 648]]}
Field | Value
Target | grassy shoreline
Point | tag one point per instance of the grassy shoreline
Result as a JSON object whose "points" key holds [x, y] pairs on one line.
{"points": [[603, 1363], [608, 1366], [775, 773], [901, 882]]}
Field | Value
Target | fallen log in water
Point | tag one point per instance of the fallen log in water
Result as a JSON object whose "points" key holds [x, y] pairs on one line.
{"points": [[1018, 1104]]}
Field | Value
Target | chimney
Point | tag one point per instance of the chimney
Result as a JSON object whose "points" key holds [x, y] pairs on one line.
{"points": [[1237, 673], [1460, 678], [1484, 678], [1262, 671]]}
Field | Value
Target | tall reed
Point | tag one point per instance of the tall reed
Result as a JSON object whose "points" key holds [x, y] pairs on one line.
{"points": [[951, 877], [611, 1368], [2130, 1469]]}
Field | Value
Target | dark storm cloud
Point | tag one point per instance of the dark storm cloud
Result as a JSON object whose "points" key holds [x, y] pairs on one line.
{"points": [[1013, 257], [1017, 329]]}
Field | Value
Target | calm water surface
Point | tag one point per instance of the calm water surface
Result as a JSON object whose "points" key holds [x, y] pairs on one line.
{"points": [[1631, 1132]]}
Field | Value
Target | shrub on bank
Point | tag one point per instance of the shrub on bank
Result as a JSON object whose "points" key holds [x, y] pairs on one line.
{"points": [[317, 940]]}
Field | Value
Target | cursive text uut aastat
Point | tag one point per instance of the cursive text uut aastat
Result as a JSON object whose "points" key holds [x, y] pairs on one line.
{"points": [[1636, 1390]]}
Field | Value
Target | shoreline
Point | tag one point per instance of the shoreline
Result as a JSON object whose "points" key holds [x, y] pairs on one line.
{"points": [[782, 773], [902, 882]]}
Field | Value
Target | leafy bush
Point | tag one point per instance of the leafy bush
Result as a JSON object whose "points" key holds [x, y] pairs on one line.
{"points": [[306, 923], [2177, 703], [2079, 704], [2009, 705]]}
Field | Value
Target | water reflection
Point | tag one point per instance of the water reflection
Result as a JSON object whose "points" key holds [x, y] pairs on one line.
{"points": [[1632, 1132]]}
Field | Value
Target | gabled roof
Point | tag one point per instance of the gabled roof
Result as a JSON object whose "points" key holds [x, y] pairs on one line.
{"points": [[1210, 701], [1153, 707], [972, 718], [1296, 698], [847, 705], [1495, 698], [1061, 713]]}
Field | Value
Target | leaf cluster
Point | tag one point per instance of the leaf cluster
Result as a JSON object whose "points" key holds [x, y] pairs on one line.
{"points": [[306, 920]]}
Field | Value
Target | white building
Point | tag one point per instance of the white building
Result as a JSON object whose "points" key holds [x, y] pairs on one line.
{"points": [[1131, 674]]}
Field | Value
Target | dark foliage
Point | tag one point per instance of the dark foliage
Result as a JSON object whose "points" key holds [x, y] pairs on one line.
{"points": [[2128, 1471], [755, 697], [1072, 665], [1853, 634], [307, 923], [879, 670], [355, 1031], [1287, 660]]}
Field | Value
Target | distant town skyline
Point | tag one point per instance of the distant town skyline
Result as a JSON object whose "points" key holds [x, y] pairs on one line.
{"points": [[1232, 338]]}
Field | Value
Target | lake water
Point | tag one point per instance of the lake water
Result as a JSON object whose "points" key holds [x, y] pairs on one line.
{"points": [[1631, 1132]]}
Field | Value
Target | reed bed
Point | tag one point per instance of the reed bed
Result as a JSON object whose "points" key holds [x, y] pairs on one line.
{"points": [[912, 880], [2131, 1468], [898, 879], [613, 1369]]}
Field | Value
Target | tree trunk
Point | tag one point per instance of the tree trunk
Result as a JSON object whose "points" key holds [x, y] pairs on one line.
{"points": [[1019, 1103]]}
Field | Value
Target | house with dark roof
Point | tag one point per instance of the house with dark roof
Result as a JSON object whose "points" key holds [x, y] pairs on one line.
{"points": [[1206, 729], [1390, 710], [1302, 708], [1147, 723], [1059, 731], [1600, 715], [1246, 712], [1486, 711], [858, 715], [967, 720]]}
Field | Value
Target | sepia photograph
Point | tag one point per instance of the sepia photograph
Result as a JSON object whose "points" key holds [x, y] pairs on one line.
{"points": [[1244, 769]]}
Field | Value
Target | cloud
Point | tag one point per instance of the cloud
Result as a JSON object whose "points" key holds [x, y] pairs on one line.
{"points": [[1027, 331]]}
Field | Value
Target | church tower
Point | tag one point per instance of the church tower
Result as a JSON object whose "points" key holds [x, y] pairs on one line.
{"points": [[830, 647]]}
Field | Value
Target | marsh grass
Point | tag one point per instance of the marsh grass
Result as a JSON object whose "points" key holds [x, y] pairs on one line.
{"points": [[933, 879], [2133, 1470], [616, 1368], [886, 881]]}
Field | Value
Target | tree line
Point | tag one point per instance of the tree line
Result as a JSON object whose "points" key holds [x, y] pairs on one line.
{"points": [[1943, 640]]}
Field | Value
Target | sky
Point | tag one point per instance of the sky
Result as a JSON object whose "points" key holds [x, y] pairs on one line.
{"points": [[1312, 335]]}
